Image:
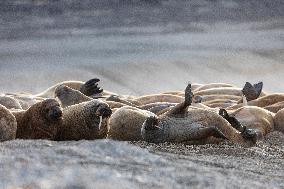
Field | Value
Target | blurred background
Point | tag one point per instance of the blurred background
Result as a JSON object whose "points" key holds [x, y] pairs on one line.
{"points": [[141, 46]]}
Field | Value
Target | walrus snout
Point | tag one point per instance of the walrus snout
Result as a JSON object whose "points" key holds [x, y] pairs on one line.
{"points": [[151, 123], [104, 111], [55, 113]]}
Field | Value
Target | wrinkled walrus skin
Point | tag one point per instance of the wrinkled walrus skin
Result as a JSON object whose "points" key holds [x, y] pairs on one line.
{"points": [[180, 124]]}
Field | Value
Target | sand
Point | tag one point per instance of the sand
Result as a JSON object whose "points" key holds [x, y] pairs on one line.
{"points": [[137, 48]]}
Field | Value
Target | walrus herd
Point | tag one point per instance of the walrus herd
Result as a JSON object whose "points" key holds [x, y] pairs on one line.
{"points": [[201, 114]]}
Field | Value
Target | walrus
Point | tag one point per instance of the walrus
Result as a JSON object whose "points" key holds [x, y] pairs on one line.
{"points": [[263, 101], [68, 96], [125, 123], [88, 88], [40, 121], [8, 124], [86, 120], [10, 102], [255, 118], [182, 123]]}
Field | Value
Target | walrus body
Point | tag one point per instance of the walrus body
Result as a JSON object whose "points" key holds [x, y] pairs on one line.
{"points": [[10, 102], [126, 122], [68, 96], [87, 120], [256, 118], [275, 107], [279, 121], [40, 121], [8, 124], [180, 124]]}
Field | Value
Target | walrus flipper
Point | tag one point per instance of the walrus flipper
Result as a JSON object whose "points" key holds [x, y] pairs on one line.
{"points": [[232, 120], [91, 87], [246, 133], [181, 108], [258, 88], [252, 92], [249, 92]]}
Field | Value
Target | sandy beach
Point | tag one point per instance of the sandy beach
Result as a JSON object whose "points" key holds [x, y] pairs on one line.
{"points": [[137, 48]]}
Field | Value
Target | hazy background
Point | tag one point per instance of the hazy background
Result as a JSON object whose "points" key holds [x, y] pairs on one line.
{"points": [[138, 47]]}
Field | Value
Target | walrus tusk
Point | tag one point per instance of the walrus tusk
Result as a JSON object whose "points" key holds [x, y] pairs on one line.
{"points": [[101, 120], [245, 102]]}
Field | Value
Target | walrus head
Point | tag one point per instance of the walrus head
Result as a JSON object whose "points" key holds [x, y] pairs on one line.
{"points": [[151, 132], [100, 110], [103, 110], [51, 110]]}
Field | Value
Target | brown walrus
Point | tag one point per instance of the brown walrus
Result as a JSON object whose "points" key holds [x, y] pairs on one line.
{"points": [[68, 96], [8, 124], [180, 124], [86, 120], [40, 121]]}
